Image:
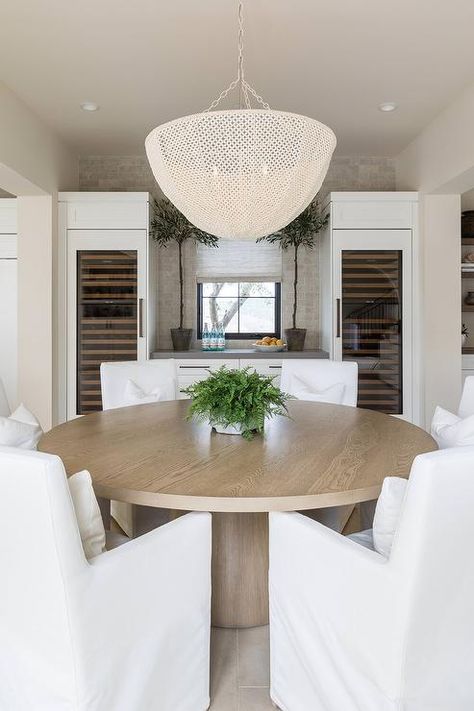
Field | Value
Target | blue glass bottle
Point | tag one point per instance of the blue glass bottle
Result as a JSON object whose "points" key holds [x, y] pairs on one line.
{"points": [[213, 338], [205, 338]]}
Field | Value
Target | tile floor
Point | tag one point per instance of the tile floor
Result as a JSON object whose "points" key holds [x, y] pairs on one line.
{"points": [[240, 670]]}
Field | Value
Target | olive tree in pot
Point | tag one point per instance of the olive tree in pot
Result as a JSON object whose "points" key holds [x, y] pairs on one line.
{"points": [[301, 232], [167, 226]]}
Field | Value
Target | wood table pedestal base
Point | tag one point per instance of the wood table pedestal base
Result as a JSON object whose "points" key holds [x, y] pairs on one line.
{"points": [[239, 569]]}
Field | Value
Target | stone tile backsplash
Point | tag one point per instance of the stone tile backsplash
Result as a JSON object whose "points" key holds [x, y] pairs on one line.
{"points": [[130, 173]]}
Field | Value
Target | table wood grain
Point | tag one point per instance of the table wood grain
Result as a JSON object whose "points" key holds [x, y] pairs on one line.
{"points": [[322, 455]]}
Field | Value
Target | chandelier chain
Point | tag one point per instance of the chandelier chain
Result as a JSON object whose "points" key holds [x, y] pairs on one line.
{"points": [[245, 90]]}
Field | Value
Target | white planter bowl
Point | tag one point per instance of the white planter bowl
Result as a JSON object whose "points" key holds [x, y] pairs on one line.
{"points": [[230, 429]]}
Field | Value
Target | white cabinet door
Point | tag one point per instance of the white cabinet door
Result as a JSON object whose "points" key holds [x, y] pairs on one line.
{"points": [[106, 310], [372, 278], [8, 328], [90, 214], [372, 214], [8, 216]]}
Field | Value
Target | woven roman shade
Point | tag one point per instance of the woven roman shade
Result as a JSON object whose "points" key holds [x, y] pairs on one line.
{"points": [[239, 261]]}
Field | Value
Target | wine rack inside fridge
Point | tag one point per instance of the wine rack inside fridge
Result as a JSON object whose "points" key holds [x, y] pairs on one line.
{"points": [[371, 325], [107, 318]]}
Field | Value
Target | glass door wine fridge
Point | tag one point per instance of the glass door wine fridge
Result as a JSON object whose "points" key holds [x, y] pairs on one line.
{"points": [[373, 306], [106, 311]]}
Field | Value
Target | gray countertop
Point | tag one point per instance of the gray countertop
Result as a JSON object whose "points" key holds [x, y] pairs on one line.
{"points": [[239, 353]]}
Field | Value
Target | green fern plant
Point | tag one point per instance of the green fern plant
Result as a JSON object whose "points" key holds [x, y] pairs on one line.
{"points": [[237, 398]]}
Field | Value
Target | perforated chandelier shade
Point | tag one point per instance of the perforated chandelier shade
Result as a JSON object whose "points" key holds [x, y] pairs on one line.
{"points": [[241, 174]]}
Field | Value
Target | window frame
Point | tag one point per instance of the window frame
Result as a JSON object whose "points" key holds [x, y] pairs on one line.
{"points": [[241, 336]]}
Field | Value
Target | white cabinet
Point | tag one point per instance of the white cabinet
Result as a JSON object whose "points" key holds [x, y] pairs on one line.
{"points": [[106, 211], [8, 298], [192, 370], [366, 211], [110, 310], [368, 258]]}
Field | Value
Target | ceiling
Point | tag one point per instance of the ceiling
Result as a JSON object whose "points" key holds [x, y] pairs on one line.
{"points": [[149, 61]]}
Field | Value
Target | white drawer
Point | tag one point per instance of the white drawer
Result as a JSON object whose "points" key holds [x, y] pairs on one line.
{"points": [[375, 214], [202, 366], [263, 366], [186, 381]]}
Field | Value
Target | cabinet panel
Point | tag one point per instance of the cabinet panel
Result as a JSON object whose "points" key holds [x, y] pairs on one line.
{"points": [[192, 370], [8, 328], [107, 215], [8, 216], [376, 215], [264, 367], [185, 381]]}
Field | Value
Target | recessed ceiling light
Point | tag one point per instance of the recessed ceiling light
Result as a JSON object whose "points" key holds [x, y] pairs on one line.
{"points": [[387, 106], [89, 106]]}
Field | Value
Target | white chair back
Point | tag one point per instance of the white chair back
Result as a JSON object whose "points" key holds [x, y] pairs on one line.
{"points": [[320, 374], [4, 406], [68, 626], [40, 553], [148, 375], [432, 551], [466, 406]]}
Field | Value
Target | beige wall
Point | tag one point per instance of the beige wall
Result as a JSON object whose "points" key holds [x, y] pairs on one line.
{"points": [[440, 164], [35, 322], [34, 164], [133, 173], [31, 150], [441, 158], [441, 311]]}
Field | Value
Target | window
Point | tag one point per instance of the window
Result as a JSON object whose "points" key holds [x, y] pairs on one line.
{"points": [[246, 309]]}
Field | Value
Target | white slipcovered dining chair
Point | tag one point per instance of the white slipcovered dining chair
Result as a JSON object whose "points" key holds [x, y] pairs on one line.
{"points": [[352, 630], [4, 406], [339, 379], [155, 378], [450, 430], [125, 384], [126, 631], [319, 375]]}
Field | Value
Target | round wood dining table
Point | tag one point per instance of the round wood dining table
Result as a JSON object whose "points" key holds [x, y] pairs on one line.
{"points": [[321, 455]]}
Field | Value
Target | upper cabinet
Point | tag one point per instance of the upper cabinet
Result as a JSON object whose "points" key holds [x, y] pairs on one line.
{"points": [[106, 211], [369, 211], [368, 258]]}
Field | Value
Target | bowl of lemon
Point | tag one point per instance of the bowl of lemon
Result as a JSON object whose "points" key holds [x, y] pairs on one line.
{"points": [[267, 344]]}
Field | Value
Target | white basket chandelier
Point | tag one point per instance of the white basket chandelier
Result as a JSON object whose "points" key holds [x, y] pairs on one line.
{"points": [[244, 173]]}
